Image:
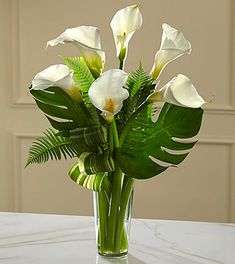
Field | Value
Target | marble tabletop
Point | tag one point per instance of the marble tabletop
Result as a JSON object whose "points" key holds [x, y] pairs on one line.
{"points": [[57, 239]]}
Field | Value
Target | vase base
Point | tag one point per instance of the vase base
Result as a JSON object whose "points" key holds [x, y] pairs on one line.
{"points": [[113, 255]]}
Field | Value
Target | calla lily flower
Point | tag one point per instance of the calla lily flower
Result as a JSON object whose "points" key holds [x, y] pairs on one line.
{"points": [[124, 24], [107, 93], [59, 76], [179, 91], [173, 45], [87, 40]]}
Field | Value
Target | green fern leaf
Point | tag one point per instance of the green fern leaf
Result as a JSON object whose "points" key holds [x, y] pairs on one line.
{"points": [[82, 75], [83, 79], [51, 146], [139, 78], [139, 85]]}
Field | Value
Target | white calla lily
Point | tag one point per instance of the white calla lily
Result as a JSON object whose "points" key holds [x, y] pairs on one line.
{"points": [[107, 93], [58, 76], [173, 45], [87, 40], [124, 24], [179, 91]]}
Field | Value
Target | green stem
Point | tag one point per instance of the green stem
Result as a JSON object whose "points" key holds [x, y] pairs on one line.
{"points": [[121, 57], [103, 219], [114, 133], [116, 192], [120, 231], [121, 64], [110, 137]]}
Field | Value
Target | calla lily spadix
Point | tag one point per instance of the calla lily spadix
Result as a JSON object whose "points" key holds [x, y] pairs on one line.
{"points": [[124, 24], [173, 45], [107, 93], [179, 91], [58, 76], [87, 40]]}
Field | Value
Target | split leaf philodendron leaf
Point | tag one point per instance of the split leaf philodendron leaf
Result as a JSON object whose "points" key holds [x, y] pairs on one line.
{"points": [[54, 102], [145, 142]]}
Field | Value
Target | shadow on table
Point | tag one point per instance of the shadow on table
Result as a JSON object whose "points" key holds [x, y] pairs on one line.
{"points": [[130, 259]]}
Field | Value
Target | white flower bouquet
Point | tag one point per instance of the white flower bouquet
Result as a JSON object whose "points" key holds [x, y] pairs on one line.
{"points": [[112, 121]]}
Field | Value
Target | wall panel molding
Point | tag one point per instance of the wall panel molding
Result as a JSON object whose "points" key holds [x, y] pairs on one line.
{"points": [[229, 141], [17, 138], [232, 50], [219, 110], [232, 88], [17, 100]]}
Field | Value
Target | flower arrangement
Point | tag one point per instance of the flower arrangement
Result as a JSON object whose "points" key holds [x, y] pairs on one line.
{"points": [[112, 121]]}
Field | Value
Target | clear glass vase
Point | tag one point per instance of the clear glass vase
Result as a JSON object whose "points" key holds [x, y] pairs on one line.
{"points": [[112, 223]]}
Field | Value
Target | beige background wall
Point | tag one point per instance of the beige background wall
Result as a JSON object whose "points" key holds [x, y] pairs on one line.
{"points": [[202, 188]]}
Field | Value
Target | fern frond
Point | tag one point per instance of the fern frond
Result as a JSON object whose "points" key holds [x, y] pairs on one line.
{"points": [[139, 78], [139, 85], [83, 79], [51, 146], [82, 75]]}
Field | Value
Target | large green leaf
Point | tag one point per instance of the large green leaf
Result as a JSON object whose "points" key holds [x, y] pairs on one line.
{"points": [[146, 144], [54, 102]]}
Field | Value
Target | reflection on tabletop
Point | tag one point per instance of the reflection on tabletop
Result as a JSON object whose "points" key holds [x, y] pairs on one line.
{"points": [[130, 259]]}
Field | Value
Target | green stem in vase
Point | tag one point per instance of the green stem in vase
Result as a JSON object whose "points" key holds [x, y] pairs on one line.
{"points": [[121, 235], [116, 193], [103, 219]]}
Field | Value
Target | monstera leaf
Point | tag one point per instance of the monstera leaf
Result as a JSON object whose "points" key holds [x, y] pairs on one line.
{"points": [[146, 145], [56, 103]]}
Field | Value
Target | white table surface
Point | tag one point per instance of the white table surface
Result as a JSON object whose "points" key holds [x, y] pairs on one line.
{"points": [[57, 239]]}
